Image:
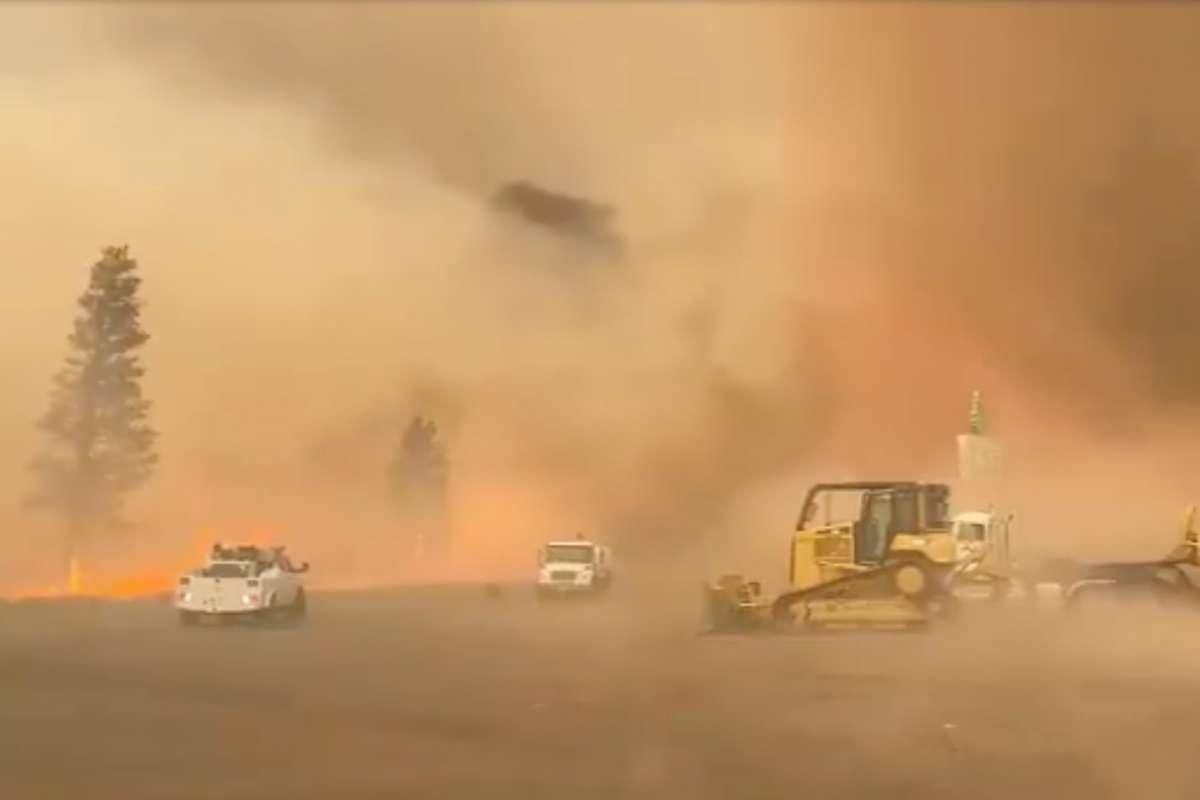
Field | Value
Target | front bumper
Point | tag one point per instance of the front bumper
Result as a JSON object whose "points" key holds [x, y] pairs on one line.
{"points": [[564, 587], [203, 607]]}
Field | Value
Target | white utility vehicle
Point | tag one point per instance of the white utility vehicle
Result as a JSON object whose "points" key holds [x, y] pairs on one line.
{"points": [[573, 566], [986, 566], [242, 581]]}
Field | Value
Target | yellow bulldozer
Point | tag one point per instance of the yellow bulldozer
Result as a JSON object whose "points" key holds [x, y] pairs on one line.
{"points": [[878, 554], [1170, 581]]}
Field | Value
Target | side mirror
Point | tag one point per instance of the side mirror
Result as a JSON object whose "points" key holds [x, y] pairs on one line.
{"points": [[303, 567]]}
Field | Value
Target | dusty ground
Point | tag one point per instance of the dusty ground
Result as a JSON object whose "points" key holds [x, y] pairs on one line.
{"points": [[443, 693]]}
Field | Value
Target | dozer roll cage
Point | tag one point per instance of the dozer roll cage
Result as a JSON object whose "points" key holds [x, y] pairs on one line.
{"points": [[887, 508], [935, 491]]}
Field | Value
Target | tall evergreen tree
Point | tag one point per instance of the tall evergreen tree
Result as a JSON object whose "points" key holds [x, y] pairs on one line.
{"points": [[419, 479], [419, 468], [99, 445]]}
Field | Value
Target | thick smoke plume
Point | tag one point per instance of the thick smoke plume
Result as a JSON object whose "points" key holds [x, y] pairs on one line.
{"points": [[835, 221]]}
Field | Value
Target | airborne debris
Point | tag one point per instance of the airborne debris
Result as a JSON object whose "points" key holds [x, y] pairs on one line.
{"points": [[566, 215]]}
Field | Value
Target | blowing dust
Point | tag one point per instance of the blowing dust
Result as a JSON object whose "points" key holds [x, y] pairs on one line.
{"points": [[834, 222]]}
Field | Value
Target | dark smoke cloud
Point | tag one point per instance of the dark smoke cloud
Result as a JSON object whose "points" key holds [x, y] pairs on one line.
{"points": [[836, 219], [1042, 161], [1051, 159]]}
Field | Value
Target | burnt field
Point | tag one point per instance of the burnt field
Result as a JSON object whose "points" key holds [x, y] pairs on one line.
{"points": [[445, 692]]}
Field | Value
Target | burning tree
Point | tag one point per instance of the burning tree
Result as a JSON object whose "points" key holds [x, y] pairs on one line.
{"points": [[419, 477], [99, 445]]}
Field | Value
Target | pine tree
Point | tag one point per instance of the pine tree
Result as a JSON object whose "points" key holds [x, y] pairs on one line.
{"points": [[419, 469], [99, 444], [419, 478]]}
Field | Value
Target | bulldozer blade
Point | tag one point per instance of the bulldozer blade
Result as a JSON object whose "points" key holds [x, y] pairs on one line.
{"points": [[732, 605]]}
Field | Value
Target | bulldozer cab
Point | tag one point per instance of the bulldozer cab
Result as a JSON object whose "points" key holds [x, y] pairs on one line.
{"points": [[874, 524], [845, 527]]}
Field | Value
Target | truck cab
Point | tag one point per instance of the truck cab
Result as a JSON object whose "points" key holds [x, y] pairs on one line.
{"points": [[980, 534], [983, 550], [573, 566]]}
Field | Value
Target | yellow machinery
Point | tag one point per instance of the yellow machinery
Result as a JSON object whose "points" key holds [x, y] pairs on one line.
{"points": [[865, 554], [1169, 581], [897, 562]]}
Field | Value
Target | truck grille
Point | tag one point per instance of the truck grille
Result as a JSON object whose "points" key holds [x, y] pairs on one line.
{"points": [[562, 575]]}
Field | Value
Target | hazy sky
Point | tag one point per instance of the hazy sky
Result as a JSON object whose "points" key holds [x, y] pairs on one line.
{"points": [[839, 220]]}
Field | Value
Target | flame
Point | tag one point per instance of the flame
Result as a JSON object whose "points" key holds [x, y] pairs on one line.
{"points": [[74, 576], [145, 582], [82, 584], [130, 586], [98, 580]]}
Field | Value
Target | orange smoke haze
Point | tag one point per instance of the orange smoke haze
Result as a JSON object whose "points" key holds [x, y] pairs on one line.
{"points": [[838, 220]]}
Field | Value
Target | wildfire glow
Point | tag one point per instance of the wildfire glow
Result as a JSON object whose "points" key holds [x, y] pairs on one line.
{"points": [[148, 581], [74, 577]]}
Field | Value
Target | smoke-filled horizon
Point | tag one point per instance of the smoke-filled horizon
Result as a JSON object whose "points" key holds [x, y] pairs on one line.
{"points": [[835, 222]]}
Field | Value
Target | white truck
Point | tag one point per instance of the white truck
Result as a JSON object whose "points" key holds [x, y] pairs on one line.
{"points": [[240, 582], [572, 567], [986, 567]]}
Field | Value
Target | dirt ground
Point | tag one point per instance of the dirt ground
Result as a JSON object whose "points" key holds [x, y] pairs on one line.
{"points": [[447, 693]]}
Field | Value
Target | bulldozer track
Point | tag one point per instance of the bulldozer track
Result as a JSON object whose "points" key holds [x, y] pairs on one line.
{"points": [[781, 608]]}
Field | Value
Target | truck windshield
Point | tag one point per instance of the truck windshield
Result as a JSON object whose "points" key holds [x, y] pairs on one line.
{"points": [[972, 531], [568, 554], [227, 570]]}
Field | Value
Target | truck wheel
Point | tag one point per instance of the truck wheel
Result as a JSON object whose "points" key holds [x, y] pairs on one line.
{"points": [[942, 605], [1001, 590], [271, 613], [299, 607]]}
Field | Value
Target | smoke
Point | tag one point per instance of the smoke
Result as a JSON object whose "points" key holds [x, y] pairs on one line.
{"points": [[835, 222]]}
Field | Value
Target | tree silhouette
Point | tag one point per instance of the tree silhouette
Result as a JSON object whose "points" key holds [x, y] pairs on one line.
{"points": [[99, 445], [419, 478]]}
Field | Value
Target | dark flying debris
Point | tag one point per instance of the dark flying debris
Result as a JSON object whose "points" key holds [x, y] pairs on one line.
{"points": [[574, 217]]}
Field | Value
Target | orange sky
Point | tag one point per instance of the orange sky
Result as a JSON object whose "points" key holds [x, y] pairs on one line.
{"points": [[839, 218]]}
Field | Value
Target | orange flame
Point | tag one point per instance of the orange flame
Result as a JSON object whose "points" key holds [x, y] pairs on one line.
{"points": [[74, 576], [146, 582]]}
